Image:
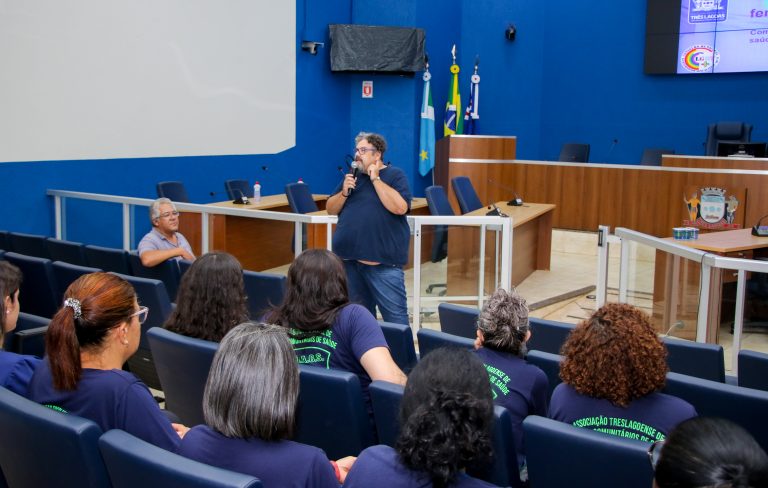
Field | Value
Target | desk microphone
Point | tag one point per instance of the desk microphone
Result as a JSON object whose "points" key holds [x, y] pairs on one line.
{"points": [[760, 230], [243, 200], [515, 202], [495, 211]]}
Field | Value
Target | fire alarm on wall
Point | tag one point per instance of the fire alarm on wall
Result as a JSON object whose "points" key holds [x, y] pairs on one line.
{"points": [[368, 89]]}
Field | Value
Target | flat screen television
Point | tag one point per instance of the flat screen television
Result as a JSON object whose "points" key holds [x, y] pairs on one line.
{"points": [[706, 36], [741, 149], [375, 48]]}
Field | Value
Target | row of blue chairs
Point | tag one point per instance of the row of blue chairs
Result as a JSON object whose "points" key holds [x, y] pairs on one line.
{"points": [[50, 448]]}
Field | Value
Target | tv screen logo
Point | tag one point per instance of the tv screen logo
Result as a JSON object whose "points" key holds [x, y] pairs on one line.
{"points": [[701, 11]]}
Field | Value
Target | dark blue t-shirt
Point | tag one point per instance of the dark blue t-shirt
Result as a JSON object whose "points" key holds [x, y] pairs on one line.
{"points": [[114, 399], [519, 387], [16, 371], [366, 229], [277, 464], [380, 466], [648, 419]]}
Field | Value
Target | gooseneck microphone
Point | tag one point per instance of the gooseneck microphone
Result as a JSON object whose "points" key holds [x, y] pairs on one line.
{"points": [[515, 202], [760, 230]]}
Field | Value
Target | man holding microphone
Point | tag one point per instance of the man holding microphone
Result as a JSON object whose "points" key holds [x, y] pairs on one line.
{"points": [[372, 235]]}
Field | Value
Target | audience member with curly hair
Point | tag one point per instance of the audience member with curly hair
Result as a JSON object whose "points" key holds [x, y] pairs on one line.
{"points": [[445, 417], [211, 298], [15, 369], [614, 367], [522, 388], [709, 452]]}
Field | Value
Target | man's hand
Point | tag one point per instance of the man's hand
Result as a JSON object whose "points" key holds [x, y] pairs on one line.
{"points": [[349, 184]]}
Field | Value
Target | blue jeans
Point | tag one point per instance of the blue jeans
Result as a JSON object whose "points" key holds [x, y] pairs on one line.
{"points": [[382, 286]]}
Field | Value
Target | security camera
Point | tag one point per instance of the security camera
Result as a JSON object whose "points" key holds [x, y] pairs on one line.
{"points": [[510, 32], [311, 46]]}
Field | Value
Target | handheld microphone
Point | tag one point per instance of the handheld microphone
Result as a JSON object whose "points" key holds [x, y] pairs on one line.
{"points": [[515, 202], [760, 230], [355, 169]]}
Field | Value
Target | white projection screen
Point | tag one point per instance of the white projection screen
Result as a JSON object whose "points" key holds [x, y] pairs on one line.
{"points": [[94, 79]]}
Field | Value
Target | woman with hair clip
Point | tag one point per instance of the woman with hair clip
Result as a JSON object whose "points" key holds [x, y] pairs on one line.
{"points": [[211, 298], [325, 329], [704, 452], [15, 369], [445, 420], [614, 368], [502, 333], [88, 341], [249, 406]]}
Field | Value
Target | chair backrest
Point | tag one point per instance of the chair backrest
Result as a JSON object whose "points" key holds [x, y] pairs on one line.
{"points": [[5, 240], [174, 190], [465, 194], [237, 188], [400, 341], [66, 251], [743, 406], [548, 335], [38, 292], [133, 462], [29, 245], [504, 470], [42, 447], [167, 272], [332, 413], [28, 337], [66, 273], [184, 265], [108, 259], [705, 361], [300, 198], [264, 291], [652, 156], [429, 340], [458, 320], [438, 203], [559, 454], [385, 400], [726, 132], [753, 370], [574, 152], [549, 363], [182, 363]]}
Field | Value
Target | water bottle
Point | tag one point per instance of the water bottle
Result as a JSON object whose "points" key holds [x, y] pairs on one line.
{"points": [[256, 192], [300, 181]]}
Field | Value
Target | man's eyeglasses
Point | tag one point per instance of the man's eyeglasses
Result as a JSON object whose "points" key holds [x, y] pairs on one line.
{"points": [[363, 150], [142, 313], [654, 453], [165, 215]]}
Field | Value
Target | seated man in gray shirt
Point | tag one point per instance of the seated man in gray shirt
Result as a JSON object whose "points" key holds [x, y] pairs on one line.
{"points": [[163, 242]]}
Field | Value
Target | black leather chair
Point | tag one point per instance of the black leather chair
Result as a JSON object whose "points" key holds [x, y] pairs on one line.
{"points": [[182, 363], [43, 447], [429, 340], [705, 361], [66, 251], [131, 462], [652, 156], [438, 203], [400, 341], [726, 132], [264, 291], [174, 190], [549, 363], [559, 454], [107, 258], [458, 320], [332, 413], [236, 189], [574, 153], [38, 292], [753, 370], [4, 240], [167, 272], [466, 194], [548, 335], [300, 198], [29, 245]]}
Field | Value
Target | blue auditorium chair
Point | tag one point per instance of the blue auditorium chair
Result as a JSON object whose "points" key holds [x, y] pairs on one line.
{"points": [[385, 400], [560, 455], [182, 364], [458, 320], [173, 190], [236, 189], [66, 273], [438, 204], [43, 447], [28, 337], [4, 240], [264, 290], [695, 359], [726, 132], [66, 251], [184, 265], [744, 406], [400, 341], [107, 258], [28, 245], [466, 194], [331, 413], [38, 292], [574, 153], [429, 340], [548, 335], [167, 272], [549, 363], [132, 462], [753, 370]]}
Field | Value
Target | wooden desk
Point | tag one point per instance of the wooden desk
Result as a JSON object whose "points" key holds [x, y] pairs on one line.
{"points": [[683, 281], [531, 248]]}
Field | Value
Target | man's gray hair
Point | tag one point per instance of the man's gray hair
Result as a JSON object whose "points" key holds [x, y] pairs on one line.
{"points": [[154, 209], [375, 140], [253, 384], [504, 322]]}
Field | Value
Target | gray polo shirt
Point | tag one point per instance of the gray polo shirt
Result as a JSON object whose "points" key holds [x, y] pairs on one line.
{"points": [[155, 241]]}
